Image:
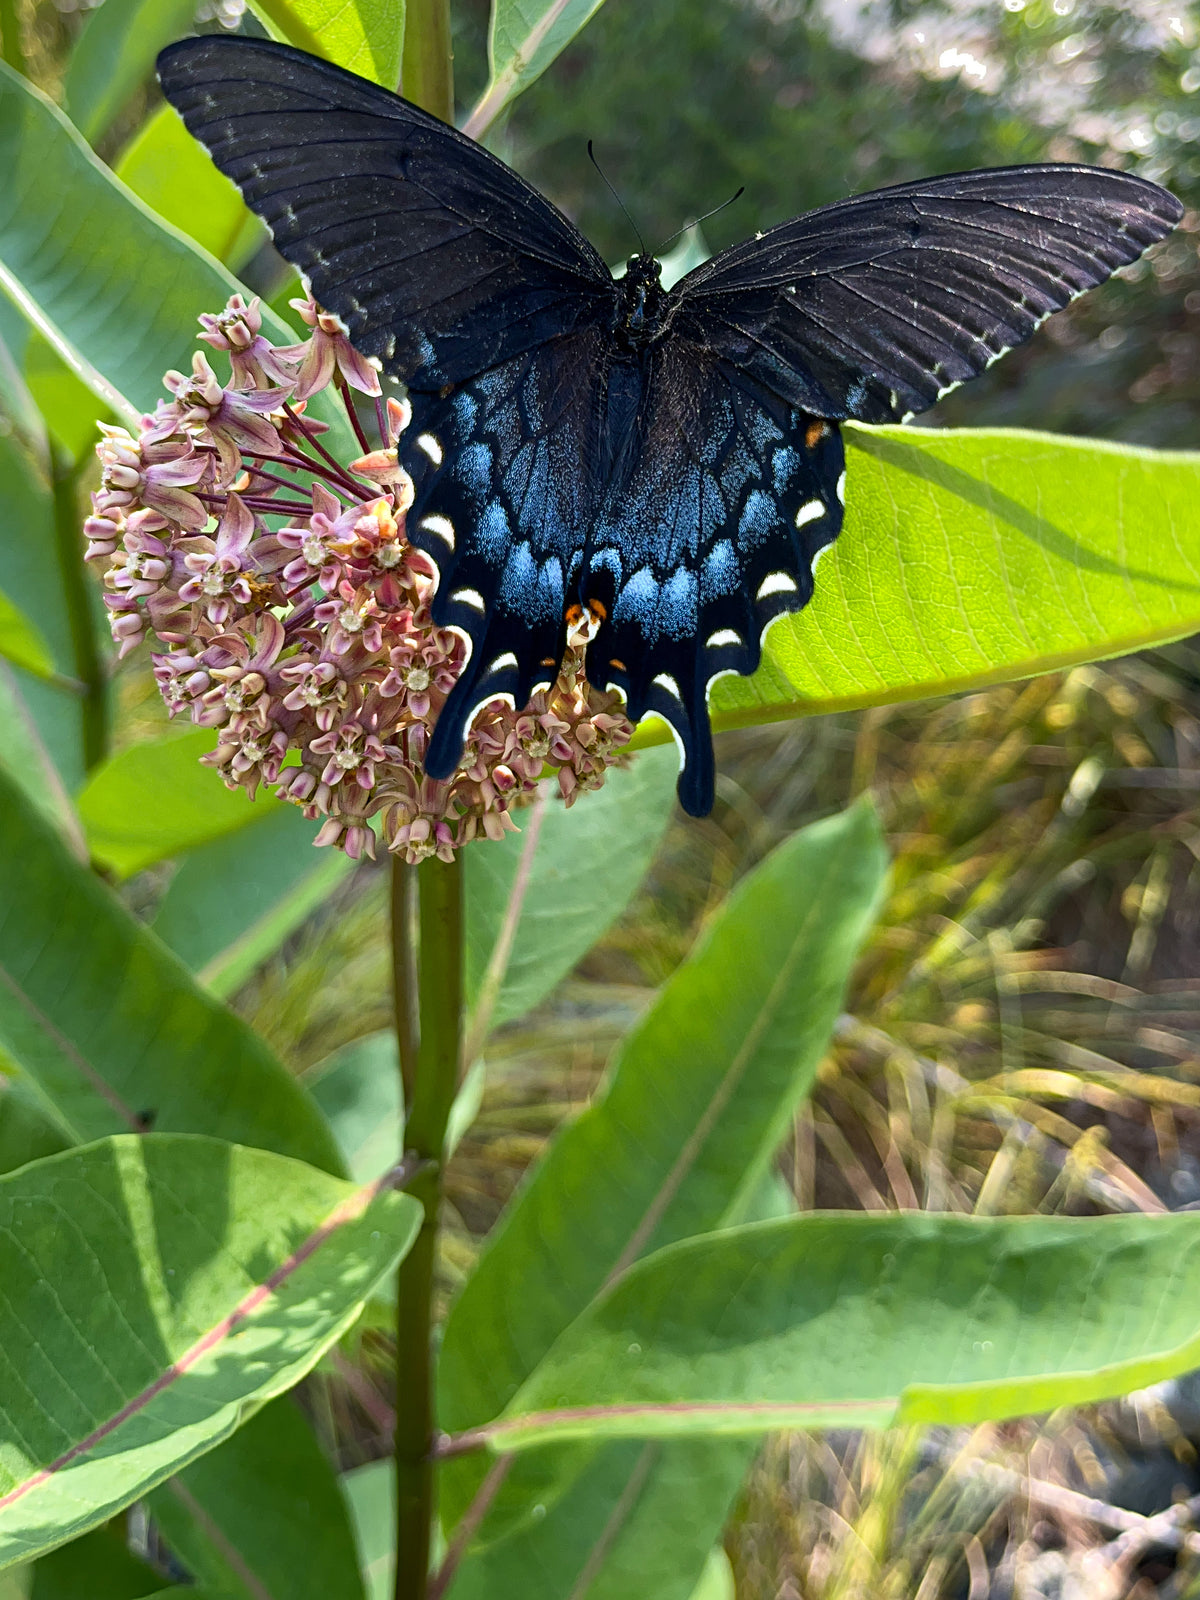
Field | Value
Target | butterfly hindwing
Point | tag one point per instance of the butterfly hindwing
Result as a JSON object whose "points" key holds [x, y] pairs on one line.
{"points": [[876, 306], [708, 536], [505, 480], [439, 259]]}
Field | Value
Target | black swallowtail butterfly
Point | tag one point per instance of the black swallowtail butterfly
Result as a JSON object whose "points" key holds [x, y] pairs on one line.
{"points": [[666, 460]]}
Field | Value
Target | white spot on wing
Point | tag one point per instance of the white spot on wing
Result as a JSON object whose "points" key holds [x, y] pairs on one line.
{"points": [[809, 512], [469, 597], [667, 682], [723, 636], [841, 487], [440, 526], [508, 659], [431, 447], [776, 583]]}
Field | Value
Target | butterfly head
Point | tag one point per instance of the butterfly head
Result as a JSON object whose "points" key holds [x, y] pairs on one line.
{"points": [[642, 302]]}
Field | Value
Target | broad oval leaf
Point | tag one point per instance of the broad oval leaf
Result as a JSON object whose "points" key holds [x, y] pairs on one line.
{"points": [[524, 38], [154, 800], [701, 1092], [971, 557], [107, 1028], [158, 1288], [870, 1320]]}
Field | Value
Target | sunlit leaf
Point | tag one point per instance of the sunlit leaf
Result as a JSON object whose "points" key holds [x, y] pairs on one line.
{"points": [[156, 1290], [973, 557], [717, 1582], [367, 36]]}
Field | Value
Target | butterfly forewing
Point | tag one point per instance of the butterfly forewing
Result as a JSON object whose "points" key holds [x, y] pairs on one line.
{"points": [[440, 260], [874, 307]]}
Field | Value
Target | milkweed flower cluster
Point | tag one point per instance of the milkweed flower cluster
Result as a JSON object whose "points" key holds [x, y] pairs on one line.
{"points": [[291, 615]]}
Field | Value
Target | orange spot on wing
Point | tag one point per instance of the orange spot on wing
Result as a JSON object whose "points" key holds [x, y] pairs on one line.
{"points": [[814, 433]]}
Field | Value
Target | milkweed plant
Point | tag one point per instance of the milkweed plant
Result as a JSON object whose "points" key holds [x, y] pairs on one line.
{"points": [[313, 642], [188, 1230]]}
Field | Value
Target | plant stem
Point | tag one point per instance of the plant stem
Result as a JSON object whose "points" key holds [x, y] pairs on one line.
{"points": [[86, 657], [431, 1081], [427, 71], [11, 45], [429, 993]]}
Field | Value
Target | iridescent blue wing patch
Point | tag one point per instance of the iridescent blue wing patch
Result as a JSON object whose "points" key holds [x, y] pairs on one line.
{"points": [[708, 538]]}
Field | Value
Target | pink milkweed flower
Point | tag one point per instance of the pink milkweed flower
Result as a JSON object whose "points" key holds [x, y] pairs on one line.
{"points": [[248, 754], [218, 580], [355, 838], [353, 751], [233, 419], [305, 635], [157, 476], [352, 619], [255, 361], [240, 666], [422, 665], [328, 351], [315, 687]]}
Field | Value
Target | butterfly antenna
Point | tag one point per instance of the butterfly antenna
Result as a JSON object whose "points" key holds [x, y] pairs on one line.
{"points": [[696, 221], [617, 198]]}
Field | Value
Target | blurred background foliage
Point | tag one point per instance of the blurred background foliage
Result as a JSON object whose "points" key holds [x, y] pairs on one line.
{"points": [[1024, 1029]]}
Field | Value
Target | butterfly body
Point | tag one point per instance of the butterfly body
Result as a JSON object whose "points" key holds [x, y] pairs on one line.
{"points": [[663, 465]]}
